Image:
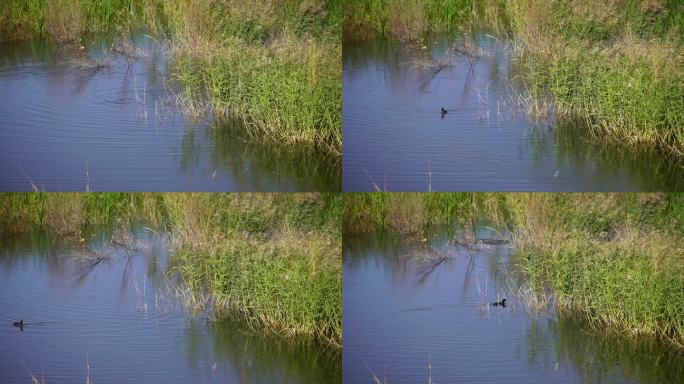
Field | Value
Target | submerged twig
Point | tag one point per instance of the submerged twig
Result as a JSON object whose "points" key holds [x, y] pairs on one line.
{"points": [[375, 186], [33, 186]]}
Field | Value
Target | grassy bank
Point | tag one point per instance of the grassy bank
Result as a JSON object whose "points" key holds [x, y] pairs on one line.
{"points": [[275, 65], [63, 213], [406, 213], [618, 65], [410, 213], [63, 20], [274, 258], [615, 258]]}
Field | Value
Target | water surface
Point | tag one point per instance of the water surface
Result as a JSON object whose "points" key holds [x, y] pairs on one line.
{"points": [[396, 139], [407, 305], [67, 125], [119, 315]]}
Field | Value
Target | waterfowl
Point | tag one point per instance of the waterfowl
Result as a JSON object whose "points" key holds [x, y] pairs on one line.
{"points": [[19, 323], [444, 111], [500, 303]]}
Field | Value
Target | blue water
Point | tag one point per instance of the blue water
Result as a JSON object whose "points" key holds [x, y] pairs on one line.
{"points": [[66, 126], [396, 139], [122, 318]]}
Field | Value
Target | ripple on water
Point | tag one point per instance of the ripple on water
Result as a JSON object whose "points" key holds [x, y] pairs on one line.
{"points": [[393, 128], [66, 126], [129, 329]]}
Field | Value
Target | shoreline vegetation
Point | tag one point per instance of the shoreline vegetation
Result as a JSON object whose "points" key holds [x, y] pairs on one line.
{"points": [[616, 65], [614, 259], [274, 259], [274, 64]]}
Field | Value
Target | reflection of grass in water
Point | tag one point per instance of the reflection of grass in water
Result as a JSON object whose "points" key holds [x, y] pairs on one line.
{"points": [[257, 165], [13, 54], [304, 167], [255, 355], [650, 169], [597, 354]]}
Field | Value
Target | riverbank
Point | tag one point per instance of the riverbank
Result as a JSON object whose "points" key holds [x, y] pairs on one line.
{"points": [[614, 258], [616, 66], [273, 258], [277, 67]]}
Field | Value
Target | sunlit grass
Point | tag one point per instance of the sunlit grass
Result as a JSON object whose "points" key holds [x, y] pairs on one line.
{"points": [[275, 258], [277, 66], [63, 20]]}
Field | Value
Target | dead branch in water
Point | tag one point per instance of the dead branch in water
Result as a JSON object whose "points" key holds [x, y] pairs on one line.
{"points": [[437, 258], [471, 52], [83, 272], [95, 65], [435, 66], [127, 49], [129, 53], [128, 245]]}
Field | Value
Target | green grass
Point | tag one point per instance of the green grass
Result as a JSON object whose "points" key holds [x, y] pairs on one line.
{"points": [[274, 258], [64, 20], [64, 213], [275, 65], [615, 258], [410, 213], [278, 67], [617, 65], [404, 19]]}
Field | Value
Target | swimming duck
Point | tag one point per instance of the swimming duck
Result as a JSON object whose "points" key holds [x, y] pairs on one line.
{"points": [[19, 323], [500, 303]]}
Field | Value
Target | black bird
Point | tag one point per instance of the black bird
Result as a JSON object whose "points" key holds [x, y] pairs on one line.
{"points": [[19, 324], [500, 303], [444, 112]]}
